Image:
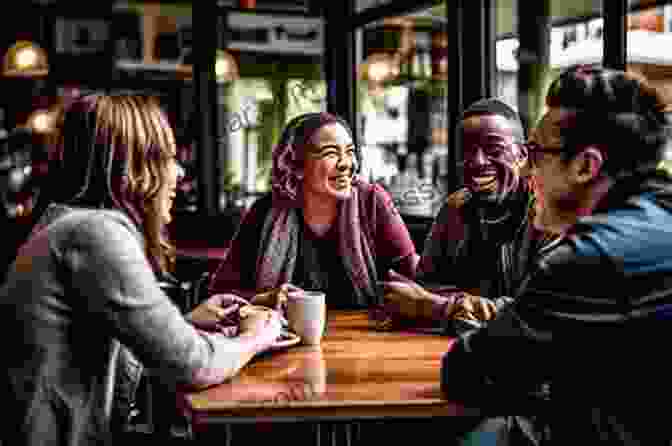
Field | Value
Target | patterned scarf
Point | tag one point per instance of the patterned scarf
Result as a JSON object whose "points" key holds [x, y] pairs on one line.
{"points": [[279, 247]]}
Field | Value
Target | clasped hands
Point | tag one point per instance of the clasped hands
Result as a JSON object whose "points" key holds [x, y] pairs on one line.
{"points": [[410, 301]]}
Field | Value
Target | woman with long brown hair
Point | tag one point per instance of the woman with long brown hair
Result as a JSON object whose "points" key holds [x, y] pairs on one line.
{"points": [[86, 281]]}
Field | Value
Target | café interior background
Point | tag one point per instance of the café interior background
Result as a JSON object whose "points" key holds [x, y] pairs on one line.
{"points": [[270, 70]]}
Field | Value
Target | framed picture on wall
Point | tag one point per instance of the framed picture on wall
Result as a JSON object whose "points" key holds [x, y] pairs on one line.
{"points": [[78, 36], [82, 47]]}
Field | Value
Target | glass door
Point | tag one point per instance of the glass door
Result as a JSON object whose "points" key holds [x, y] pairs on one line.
{"points": [[402, 108]]}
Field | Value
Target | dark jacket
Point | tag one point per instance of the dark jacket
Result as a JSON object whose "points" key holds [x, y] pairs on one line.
{"points": [[592, 319], [489, 259]]}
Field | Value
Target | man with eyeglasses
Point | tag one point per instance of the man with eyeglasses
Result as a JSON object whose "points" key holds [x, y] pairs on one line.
{"points": [[478, 240], [592, 315], [481, 242]]}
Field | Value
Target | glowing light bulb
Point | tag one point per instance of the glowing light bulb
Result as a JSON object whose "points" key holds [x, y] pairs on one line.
{"points": [[221, 67], [26, 58], [41, 121]]}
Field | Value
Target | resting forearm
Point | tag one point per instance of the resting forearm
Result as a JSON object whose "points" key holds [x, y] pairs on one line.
{"points": [[108, 265], [230, 355]]}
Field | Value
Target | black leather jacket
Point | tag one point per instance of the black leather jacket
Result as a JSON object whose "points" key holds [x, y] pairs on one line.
{"points": [[465, 251], [590, 320]]}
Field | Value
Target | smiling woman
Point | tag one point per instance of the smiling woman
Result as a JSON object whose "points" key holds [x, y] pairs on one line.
{"points": [[319, 210], [328, 170]]}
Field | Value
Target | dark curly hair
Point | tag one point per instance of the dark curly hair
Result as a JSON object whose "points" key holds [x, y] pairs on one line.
{"points": [[288, 154], [616, 111]]}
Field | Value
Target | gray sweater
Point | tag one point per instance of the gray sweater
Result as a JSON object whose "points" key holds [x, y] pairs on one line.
{"points": [[80, 285]]}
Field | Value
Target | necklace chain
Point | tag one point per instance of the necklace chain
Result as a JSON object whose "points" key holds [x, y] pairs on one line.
{"points": [[496, 220]]}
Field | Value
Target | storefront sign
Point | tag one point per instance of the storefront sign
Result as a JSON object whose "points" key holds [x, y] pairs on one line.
{"points": [[268, 33], [361, 5]]}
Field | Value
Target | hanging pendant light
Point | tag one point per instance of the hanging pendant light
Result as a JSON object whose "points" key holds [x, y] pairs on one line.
{"points": [[25, 59], [42, 121]]}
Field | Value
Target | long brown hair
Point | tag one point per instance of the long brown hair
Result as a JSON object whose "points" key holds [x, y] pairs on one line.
{"points": [[113, 151]]}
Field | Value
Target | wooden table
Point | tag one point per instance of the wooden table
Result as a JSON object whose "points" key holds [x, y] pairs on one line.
{"points": [[357, 373]]}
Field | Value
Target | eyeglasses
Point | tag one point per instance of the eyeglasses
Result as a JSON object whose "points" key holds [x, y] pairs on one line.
{"points": [[535, 152]]}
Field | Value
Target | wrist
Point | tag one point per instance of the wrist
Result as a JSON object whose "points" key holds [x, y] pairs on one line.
{"points": [[440, 307], [254, 342]]}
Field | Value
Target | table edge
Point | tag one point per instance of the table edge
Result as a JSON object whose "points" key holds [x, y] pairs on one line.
{"points": [[291, 412], [195, 405]]}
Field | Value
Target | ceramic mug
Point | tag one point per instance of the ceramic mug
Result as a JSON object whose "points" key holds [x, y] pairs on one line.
{"points": [[307, 315]]}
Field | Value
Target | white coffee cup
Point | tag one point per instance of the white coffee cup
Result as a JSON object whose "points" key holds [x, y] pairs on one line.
{"points": [[307, 315]]}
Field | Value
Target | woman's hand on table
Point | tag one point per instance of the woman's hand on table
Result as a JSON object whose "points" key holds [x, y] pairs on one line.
{"points": [[218, 309], [275, 298], [264, 325]]}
